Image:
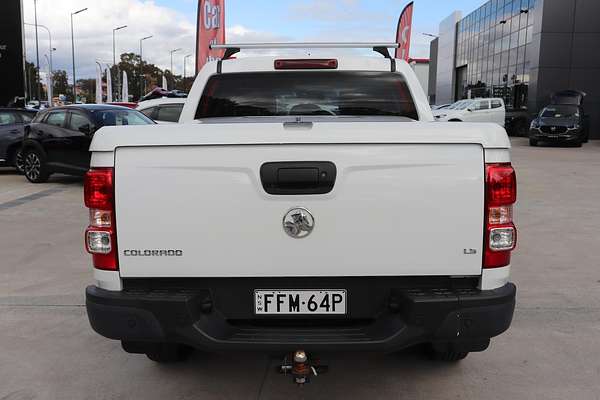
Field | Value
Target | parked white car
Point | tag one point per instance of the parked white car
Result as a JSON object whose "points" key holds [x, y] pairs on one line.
{"points": [[165, 110], [475, 110], [301, 204]]}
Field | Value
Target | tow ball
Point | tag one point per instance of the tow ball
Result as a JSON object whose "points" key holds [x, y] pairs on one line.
{"points": [[301, 367]]}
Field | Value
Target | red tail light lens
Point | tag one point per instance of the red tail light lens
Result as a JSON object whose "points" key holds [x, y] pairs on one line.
{"points": [[501, 184], [496, 259], [98, 188], [307, 64], [500, 231], [101, 236]]}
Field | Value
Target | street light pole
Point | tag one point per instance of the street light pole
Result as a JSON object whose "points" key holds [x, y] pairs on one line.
{"points": [[52, 49], [173, 51], [49, 89], [115, 59], [142, 80], [73, 54], [184, 64], [37, 54], [114, 30], [99, 84], [171, 70]]}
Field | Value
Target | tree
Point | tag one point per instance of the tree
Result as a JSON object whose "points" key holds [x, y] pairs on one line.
{"points": [[186, 83], [86, 89], [152, 76], [130, 63], [32, 82], [178, 82], [61, 83]]}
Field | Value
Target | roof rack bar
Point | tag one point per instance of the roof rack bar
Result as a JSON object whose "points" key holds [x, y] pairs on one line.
{"points": [[232, 48], [383, 51], [229, 51], [303, 45]]}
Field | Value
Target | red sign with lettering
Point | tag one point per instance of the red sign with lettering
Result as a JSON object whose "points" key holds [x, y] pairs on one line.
{"points": [[210, 30], [403, 32]]}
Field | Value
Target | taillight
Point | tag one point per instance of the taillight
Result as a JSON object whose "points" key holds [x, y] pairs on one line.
{"points": [[100, 235], [501, 184], [500, 232], [98, 188], [309, 63]]}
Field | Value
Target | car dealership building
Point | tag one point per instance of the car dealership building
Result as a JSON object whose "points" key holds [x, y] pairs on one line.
{"points": [[522, 51]]}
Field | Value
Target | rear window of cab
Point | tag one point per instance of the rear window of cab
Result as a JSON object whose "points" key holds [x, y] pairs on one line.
{"points": [[304, 93]]}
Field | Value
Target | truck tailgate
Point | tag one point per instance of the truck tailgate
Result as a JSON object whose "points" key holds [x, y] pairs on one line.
{"points": [[395, 209]]}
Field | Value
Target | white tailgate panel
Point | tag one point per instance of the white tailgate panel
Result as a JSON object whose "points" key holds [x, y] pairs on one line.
{"points": [[399, 209]]}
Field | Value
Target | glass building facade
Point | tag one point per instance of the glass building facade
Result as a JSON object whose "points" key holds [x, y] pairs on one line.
{"points": [[522, 51], [492, 48]]}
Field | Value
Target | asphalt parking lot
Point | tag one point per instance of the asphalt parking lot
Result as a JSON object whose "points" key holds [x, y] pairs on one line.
{"points": [[552, 350]]}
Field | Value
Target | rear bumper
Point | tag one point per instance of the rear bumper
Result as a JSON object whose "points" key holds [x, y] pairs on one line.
{"points": [[380, 317]]}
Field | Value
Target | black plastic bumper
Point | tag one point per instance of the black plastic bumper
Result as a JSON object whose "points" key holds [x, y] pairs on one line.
{"points": [[381, 317], [563, 138]]}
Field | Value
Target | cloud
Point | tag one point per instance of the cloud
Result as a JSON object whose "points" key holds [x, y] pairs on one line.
{"points": [[333, 11], [241, 34], [93, 32], [342, 20]]}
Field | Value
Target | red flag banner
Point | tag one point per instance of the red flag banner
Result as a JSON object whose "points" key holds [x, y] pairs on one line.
{"points": [[210, 29], [403, 32]]}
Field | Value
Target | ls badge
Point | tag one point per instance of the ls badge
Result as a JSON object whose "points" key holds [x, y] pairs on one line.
{"points": [[298, 222]]}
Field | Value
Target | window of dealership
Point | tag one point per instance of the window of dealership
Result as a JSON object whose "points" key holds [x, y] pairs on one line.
{"points": [[521, 51], [491, 51]]}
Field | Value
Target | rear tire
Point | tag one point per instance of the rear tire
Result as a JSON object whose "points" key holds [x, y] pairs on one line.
{"points": [[34, 166], [447, 352], [533, 142], [164, 353], [18, 161], [450, 355], [520, 128]]}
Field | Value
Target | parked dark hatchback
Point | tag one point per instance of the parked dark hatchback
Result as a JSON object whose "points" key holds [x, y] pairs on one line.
{"points": [[12, 124], [562, 121], [58, 139]]}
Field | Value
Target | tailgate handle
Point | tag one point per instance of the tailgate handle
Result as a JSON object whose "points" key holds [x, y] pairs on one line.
{"points": [[298, 177]]}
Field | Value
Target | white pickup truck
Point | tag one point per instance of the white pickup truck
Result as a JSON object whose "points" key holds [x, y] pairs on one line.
{"points": [[301, 204]]}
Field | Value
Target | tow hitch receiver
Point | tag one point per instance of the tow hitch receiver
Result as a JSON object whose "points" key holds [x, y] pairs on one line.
{"points": [[301, 367]]}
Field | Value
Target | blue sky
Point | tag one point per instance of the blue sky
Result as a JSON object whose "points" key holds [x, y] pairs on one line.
{"points": [[173, 25], [332, 19]]}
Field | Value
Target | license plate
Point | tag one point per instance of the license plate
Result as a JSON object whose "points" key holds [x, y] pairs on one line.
{"points": [[297, 302]]}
